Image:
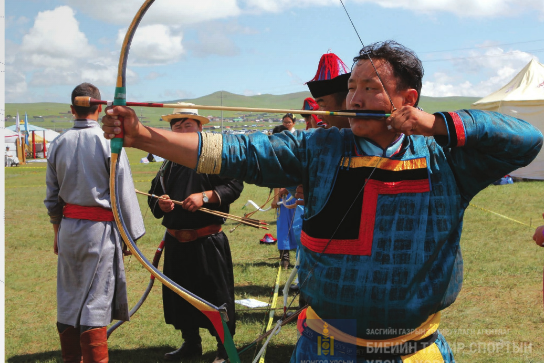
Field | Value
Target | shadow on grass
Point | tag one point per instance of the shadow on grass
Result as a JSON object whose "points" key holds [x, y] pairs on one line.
{"points": [[254, 290], [280, 353], [259, 317], [252, 317], [272, 263], [151, 354]]}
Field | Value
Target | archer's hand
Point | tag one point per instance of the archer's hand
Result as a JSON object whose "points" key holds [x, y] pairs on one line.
{"points": [[112, 125], [282, 192], [126, 251], [538, 237], [299, 194], [166, 204], [412, 121], [193, 202]]}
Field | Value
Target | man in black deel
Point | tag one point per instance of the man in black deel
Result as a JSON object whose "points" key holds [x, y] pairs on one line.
{"points": [[197, 253]]}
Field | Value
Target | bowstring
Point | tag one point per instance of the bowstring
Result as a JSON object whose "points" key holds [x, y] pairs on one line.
{"points": [[393, 108]]}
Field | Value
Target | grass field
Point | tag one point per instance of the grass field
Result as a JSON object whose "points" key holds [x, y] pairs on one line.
{"points": [[498, 316]]}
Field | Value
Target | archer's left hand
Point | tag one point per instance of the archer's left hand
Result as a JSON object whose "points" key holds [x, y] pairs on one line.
{"points": [[412, 121], [126, 251], [193, 202]]}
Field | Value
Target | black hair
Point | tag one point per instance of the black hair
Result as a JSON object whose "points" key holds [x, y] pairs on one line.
{"points": [[279, 129], [88, 90], [174, 120], [291, 116], [407, 67]]}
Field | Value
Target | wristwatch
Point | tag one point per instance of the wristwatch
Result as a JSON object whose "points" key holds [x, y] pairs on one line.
{"points": [[204, 197]]}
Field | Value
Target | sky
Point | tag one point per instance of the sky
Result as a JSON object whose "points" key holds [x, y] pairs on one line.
{"points": [[191, 48]]}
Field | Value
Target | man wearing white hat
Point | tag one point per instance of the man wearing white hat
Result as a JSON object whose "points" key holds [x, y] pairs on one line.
{"points": [[197, 252]]}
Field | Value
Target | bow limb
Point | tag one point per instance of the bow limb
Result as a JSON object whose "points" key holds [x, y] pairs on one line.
{"points": [[216, 315]]}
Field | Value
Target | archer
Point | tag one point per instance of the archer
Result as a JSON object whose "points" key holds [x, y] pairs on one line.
{"points": [[384, 202]]}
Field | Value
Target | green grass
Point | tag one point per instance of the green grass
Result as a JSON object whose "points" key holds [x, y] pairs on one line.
{"points": [[501, 300]]}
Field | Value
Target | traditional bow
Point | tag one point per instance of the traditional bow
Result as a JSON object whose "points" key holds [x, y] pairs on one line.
{"points": [[216, 315]]}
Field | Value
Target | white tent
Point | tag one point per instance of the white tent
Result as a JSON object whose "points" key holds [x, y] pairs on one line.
{"points": [[522, 97], [10, 137], [50, 135]]}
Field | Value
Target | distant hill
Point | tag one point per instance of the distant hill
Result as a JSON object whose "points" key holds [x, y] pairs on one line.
{"points": [[55, 115], [435, 104]]}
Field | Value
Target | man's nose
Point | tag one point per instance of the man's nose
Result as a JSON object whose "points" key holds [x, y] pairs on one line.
{"points": [[355, 100]]}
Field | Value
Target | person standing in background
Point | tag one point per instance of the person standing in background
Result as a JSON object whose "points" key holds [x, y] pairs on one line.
{"points": [[91, 283], [196, 253]]}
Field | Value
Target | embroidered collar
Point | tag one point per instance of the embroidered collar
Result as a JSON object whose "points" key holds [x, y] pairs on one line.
{"points": [[370, 148]]}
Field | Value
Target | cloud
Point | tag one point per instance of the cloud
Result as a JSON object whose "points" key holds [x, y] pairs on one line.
{"points": [[276, 6], [12, 21], [464, 8], [55, 52], [189, 12], [154, 75], [213, 39], [55, 37], [16, 86], [495, 65], [154, 45], [165, 12]]}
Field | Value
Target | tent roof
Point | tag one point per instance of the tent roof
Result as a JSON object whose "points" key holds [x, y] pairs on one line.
{"points": [[526, 87], [50, 135], [30, 127]]}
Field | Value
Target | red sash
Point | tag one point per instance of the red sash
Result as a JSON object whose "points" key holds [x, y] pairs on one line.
{"points": [[96, 214]]}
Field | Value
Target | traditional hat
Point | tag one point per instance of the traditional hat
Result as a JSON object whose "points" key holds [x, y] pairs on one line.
{"points": [[331, 77], [268, 239], [185, 112], [310, 105]]}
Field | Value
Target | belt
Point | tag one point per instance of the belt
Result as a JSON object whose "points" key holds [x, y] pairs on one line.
{"points": [[189, 235], [422, 337], [96, 214]]}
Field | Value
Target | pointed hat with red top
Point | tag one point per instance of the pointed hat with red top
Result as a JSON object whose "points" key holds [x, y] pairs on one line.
{"points": [[311, 105], [331, 77]]}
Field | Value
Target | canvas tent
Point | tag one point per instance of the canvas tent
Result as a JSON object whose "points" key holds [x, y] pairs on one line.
{"points": [[10, 137], [522, 97], [50, 135]]}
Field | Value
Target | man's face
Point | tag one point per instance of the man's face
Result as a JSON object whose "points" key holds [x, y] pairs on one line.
{"points": [[186, 125], [367, 93], [330, 103]]}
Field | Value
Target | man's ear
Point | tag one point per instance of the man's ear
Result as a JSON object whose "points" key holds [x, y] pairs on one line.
{"points": [[73, 110], [99, 109], [410, 97]]}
